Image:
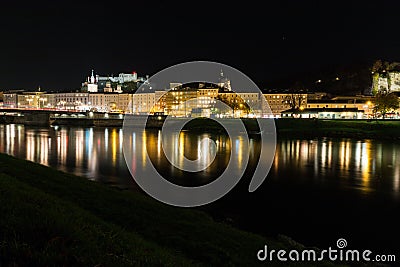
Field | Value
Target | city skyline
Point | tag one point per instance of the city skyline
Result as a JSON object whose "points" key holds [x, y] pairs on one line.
{"points": [[52, 44]]}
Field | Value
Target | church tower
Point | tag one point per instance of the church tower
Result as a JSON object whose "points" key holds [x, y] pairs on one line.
{"points": [[224, 82]]}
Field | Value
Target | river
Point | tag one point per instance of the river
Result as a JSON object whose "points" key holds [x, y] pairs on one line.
{"points": [[317, 190]]}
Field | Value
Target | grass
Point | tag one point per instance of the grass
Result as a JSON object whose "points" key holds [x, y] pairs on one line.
{"points": [[41, 230], [51, 218]]}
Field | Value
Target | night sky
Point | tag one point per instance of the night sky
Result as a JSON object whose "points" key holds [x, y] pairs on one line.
{"points": [[55, 44]]}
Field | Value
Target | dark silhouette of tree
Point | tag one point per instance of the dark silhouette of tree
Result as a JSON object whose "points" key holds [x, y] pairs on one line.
{"points": [[385, 102], [378, 66], [129, 86], [294, 99]]}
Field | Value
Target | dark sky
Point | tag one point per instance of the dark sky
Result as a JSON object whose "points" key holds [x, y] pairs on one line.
{"points": [[55, 44]]}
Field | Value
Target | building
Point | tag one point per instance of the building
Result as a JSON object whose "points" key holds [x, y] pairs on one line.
{"points": [[25, 99], [110, 102], [10, 98], [160, 104], [72, 101], [383, 84], [124, 102], [124, 77], [254, 102], [82, 101], [177, 101], [143, 103], [224, 82], [206, 100], [279, 102], [324, 113], [386, 81], [394, 81], [50, 100], [361, 103], [31, 100], [173, 85], [91, 84], [108, 84], [113, 84], [239, 104]]}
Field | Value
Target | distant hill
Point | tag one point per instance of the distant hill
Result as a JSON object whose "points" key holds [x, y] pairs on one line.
{"points": [[350, 79]]}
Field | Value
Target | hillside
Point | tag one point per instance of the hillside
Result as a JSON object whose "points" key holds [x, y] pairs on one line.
{"points": [[348, 79]]}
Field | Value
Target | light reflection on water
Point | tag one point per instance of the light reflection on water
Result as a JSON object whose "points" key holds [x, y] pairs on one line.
{"points": [[317, 190], [365, 165], [96, 153]]}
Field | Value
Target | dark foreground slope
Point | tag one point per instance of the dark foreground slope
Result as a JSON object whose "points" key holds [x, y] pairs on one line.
{"points": [[50, 218]]}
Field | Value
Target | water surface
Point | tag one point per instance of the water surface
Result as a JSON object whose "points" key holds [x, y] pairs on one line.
{"points": [[316, 192]]}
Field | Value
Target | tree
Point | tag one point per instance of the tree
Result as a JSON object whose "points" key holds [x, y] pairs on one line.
{"points": [[385, 102], [378, 66], [294, 100], [235, 103], [129, 86]]}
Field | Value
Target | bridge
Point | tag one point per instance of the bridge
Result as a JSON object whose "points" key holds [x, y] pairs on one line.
{"points": [[47, 117]]}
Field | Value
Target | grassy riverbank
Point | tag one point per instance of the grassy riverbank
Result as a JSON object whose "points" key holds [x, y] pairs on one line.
{"points": [[50, 218], [310, 128]]}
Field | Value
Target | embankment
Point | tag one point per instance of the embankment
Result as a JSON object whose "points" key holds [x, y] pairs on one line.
{"points": [[51, 218]]}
